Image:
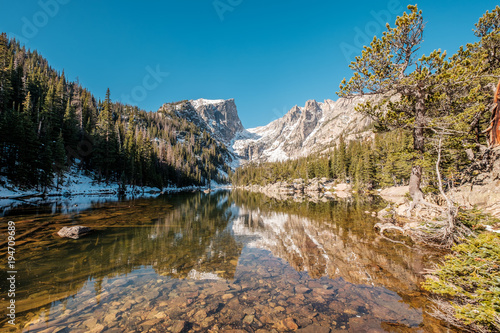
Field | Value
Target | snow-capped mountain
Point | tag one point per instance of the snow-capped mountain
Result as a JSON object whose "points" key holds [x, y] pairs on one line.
{"points": [[218, 117], [313, 128]]}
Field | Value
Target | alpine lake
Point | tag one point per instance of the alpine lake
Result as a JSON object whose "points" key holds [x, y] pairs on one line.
{"points": [[227, 261]]}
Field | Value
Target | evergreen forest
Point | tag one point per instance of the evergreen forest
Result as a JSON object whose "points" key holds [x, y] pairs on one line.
{"points": [[49, 125]]}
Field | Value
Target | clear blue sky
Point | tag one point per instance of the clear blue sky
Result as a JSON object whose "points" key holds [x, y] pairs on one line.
{"points": [[268, 55]]}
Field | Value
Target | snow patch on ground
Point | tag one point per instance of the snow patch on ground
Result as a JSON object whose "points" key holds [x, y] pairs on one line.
{"points": [[490, 228], [79, 190]]}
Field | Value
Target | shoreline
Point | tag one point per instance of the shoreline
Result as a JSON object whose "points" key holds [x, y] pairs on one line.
{"points": [[78, 183], [316, 188]]}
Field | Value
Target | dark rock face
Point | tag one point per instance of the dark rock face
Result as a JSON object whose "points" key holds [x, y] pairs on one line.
{"points": [[309, 119], [74, 232]]}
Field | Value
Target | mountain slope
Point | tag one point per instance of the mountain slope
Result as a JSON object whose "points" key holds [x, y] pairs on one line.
{"points": [[303, 130], [314, 128], [218, 117]]}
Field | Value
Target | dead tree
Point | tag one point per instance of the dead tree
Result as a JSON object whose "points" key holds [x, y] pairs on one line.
{"points": [[494, 129]]}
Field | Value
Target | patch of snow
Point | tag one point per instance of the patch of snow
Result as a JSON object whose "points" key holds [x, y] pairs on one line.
{"points": [[490, 228], [78, 191], [222, 173], [199, 102], [276, 155]]}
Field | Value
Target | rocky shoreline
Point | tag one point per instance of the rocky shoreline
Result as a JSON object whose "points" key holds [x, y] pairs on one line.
{"points": [[479, 193], [316, 189]]}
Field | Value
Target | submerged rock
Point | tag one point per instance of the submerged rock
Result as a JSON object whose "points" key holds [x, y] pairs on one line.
{"points": [[178, 326], [287, 325], [74, 232], [314, 329]]}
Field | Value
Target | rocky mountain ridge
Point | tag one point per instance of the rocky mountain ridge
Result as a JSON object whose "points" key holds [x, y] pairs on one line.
{"points": [[218, 117], [313, 128]]}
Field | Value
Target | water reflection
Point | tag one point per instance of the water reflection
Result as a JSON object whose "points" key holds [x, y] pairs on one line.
{"points": [[333, 239], [219, 261]]}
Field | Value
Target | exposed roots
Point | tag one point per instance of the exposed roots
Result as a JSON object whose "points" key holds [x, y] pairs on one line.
{"points": [[446, 312], [442, 237], [442, 233], [443, 230], [389, 226]]}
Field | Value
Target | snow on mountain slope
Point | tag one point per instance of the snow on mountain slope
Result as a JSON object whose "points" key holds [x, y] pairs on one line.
{"points": [[204, 102], [218, 117], [313, 128]]}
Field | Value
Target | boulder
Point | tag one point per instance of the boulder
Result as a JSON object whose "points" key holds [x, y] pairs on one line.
{"points": [[480, 185], [74, 232], [343, 187], [395, 194]]}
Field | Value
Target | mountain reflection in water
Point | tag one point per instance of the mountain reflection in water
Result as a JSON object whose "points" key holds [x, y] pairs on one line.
{"points": [[225, 260]]}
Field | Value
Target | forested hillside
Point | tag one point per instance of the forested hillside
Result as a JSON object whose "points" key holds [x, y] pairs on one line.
{"points": [[382, 161], [49, 124]]}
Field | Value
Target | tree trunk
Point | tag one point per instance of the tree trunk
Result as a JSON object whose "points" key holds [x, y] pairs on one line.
{"points": [[415, 179], [419, 146], [494, 128]]}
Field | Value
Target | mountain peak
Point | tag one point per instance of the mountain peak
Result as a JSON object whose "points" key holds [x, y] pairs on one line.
{"points": [[314, 128], [219, 117], [312, 104], [203, 101]]}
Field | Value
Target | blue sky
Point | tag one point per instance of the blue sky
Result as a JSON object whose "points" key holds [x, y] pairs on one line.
{"points": [[268, 55]]}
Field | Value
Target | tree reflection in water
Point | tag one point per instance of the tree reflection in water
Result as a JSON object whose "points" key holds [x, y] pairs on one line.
{"points": [[217, 261]]}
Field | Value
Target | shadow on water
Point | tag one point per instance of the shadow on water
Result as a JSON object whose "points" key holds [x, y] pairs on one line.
{"points": [[215, 261]]}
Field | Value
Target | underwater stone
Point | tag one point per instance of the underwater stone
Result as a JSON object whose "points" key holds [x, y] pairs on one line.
{"points": [[74, 232]]}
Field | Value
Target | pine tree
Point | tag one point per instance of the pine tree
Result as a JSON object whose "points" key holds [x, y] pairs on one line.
{"points": [[46, 165], [28, 161], [59, 157], [105, 119], [105, 151], [59, 104], [385, 68], [342, 165], [70, 126], [49, 115], [5, 84], [130, 152]]}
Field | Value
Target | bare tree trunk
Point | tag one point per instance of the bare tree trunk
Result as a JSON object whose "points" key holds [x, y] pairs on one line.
{"points": [[494, 128], [419, 146], [452, 210], [415, 180]]}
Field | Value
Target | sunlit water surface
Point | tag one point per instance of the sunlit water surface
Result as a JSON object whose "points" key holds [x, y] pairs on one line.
{"points": [[214, 262]]}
